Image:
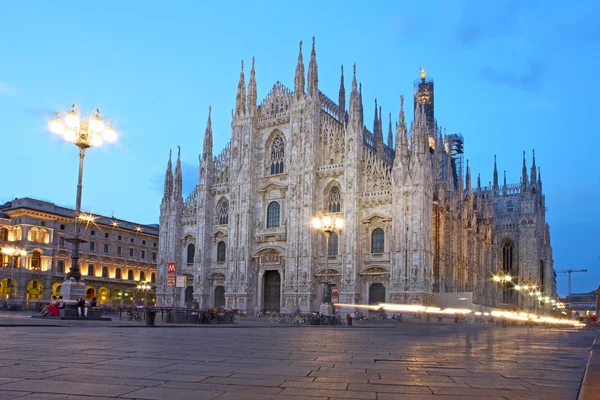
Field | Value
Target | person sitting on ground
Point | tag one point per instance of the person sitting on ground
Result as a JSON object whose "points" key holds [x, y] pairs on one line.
{"points": [[81, 307], [45, 311], [61, 302], [92, 305], [53, 307]]}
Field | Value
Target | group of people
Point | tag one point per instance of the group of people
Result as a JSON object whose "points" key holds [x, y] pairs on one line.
{"points": [[57, 303]]}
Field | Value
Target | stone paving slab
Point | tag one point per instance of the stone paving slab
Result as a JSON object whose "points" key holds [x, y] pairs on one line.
{"points": [[400, 362]]}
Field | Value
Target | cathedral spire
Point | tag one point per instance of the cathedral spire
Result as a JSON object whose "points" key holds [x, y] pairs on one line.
{"points": [[354, 97], [390, 139], [468, 182], [524, 172], [208, 139], [375, 120], [533, 169], [252, 90], [360, 104], [504, 188], [168, 179], [401, 131], [240, 100], [177, 186], [342, 97], [299, 78], [495, 187], [313, 73]]}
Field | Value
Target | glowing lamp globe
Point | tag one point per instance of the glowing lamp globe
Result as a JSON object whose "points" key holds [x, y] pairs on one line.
{"points": [[96, 124], [339, 223], [316, 223], [97, 140], [327, 221], [109, 134], [56, 126], [72, 119], [70, 135]]}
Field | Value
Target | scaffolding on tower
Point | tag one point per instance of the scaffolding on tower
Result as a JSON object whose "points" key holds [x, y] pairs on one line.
{"points": [[455, 144]]}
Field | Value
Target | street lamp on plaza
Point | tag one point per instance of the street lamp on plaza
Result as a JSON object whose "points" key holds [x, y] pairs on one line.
{"points": [[83, 133], [13, 253], [144, 287], [327, 223]]}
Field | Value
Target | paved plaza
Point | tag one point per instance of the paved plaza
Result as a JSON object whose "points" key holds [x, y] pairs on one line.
{"points": [[371, 361]]}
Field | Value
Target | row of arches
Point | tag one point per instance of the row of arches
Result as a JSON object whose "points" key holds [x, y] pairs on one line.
{"points": [[115, 297]]}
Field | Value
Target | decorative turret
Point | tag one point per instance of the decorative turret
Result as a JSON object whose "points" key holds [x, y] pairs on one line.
{"points": [[362, 114], [313, 74], [379, 133], [524, 172], [495, 185], [533, 169], [177, 186], [251, 91], [240, 99], [355, 106], [208, 139], [478, 197], [299, 78], [390, 139], [419, 134], [342, 96], [401, 137], [375, 120], [168, 180], [469, 194], [504, 191]]}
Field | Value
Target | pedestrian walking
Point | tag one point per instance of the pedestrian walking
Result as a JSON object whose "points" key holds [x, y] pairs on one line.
{"points": [[349, 319]]}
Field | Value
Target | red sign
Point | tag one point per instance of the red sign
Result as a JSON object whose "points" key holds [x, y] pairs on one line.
{"points": [[171, 268], [334, 290], [335, 299], [171, 281]]}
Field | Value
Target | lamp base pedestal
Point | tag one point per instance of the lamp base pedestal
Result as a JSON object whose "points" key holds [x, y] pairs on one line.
{"points": [[71, 290], [325, 309]]}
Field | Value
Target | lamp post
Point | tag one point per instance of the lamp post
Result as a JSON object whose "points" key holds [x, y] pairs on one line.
{"points": [[327, 223], [13, 253], [145, 287], [83, 133]]}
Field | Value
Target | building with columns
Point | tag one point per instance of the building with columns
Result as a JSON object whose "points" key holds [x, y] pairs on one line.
{"points": [[416, 225], [115, 258]]}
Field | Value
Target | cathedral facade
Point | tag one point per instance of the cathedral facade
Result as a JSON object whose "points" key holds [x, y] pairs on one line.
{"points": [[415, 225]]}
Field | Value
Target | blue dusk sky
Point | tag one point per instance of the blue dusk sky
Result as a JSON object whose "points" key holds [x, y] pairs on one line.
{"points": [[509, 76]]}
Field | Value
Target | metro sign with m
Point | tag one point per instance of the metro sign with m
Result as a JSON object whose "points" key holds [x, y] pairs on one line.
{"points": [[171, 268]]}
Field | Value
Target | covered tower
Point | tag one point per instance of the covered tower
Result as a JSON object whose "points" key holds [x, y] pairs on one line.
{"points": [[423, 91]]}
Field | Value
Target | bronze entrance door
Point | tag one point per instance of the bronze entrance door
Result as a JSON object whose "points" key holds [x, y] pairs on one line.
{"points": [[272, 291], [376, 293], [219, 296]]}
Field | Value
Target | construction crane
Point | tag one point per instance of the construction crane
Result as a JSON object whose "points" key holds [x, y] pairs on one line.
{"points": [[568, 271]]}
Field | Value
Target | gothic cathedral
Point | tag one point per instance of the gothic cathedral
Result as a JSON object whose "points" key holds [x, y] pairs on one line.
{"points": [[414, 227]]}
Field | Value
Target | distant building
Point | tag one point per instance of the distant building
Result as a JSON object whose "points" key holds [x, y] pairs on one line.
{"points": [[418, 223], [583, 303], [117, 256]]}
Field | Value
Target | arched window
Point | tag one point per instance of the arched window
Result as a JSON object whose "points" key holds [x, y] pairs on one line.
{"points": [[60, 267], [273, 213], [43, 236], [90, 269], [334, 200], [223, 213], [36, 260], [4, 234], [153, 277], [104, 272], [277, 156], [221, 251], [118, 274], [332, 249], [542, 274], [191, 249], [130, 275], [507, 258], [377, 241], [142, 276], [33, 235]]}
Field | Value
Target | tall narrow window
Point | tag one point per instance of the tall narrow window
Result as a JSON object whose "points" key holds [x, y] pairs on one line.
{"points": [[332, 249], [334, 200], [507, 258], [130, 275], [377, 241], [221, 251], [104, 272], [542, 274], [36, 260], [191, 249], [273, 213], [142, 276], [223, 213], [60, 267], [153, 277], [118, 273], [4, 234], [90, 269], [277, 156]]}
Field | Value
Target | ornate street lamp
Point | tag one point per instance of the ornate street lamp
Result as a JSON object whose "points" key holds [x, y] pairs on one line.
{"points": [[84, 133], [13, 253], [327, 223], [144, 287]]}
